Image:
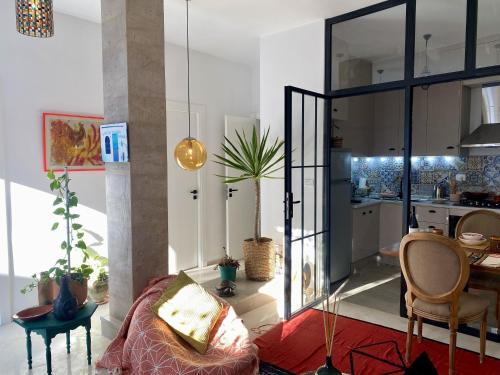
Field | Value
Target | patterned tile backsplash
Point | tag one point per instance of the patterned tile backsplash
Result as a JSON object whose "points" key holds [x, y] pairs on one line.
{"points": [[482, 173]]}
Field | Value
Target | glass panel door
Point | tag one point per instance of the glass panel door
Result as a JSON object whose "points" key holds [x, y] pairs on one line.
{"points": [[306, 224]]}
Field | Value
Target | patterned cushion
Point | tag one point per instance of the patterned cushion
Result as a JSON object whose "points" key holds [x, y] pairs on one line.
{"points": [[190, 311]]}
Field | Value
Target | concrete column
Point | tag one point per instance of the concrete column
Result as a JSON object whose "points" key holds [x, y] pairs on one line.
{"points": [[136, 192]]}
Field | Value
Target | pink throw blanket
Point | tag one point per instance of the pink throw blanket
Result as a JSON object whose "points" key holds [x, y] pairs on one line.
{"points": [[145, 344]]}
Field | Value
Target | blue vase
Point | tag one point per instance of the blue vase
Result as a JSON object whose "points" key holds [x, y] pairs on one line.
{"points": [[65, 305], [227, 273]]}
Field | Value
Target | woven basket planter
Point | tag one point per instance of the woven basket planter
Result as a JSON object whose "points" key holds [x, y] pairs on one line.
{"points": [[259, 259]]}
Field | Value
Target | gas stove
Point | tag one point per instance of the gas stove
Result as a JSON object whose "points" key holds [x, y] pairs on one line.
{"points": [[479, 203]]}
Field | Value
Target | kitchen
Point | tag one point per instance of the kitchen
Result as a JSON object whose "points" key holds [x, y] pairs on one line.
{"points": [[455, 170]]}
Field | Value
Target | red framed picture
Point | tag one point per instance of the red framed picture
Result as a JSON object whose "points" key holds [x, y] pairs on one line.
{"points": [[73, 141]]}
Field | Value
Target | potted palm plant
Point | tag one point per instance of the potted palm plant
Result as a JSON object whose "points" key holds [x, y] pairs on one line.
{"points": [[254, 159]]}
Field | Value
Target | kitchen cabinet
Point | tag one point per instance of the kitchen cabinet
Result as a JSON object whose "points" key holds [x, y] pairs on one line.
{"points": [[391, 224], [365, 232], [430, 217], [419, 121], [440, 118], [340, 109], [357, 129], [388, 123]]}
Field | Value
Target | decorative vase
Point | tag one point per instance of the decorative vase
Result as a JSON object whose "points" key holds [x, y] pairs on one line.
{"points": [[65, 305], [227, 273], [77, 288], [260, 259], [328, 368]]}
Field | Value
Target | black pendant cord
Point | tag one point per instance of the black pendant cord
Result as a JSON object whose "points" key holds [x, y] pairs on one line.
{"points": [[187, 51]]}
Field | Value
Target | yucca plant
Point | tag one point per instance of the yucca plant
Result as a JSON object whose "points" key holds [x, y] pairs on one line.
{"points": [[254, 159]]}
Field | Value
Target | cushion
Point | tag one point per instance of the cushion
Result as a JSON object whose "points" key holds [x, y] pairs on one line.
{"points": [[190, 311], [469, 305]]}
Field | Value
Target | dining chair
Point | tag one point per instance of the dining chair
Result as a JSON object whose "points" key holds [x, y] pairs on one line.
{"points": [[488, 224], [436, 270]]}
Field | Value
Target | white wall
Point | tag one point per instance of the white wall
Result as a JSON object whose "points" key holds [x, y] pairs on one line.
{"points": [[293, 57], [223, 88], [61, 74], [64, 74]]}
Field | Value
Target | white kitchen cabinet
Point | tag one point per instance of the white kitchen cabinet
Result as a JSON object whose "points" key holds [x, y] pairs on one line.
{"points": [[440, 118], [365, 232], [340, 109], [357, 129], [423, 225], [391, 224], [432, 214], [388, 123]]}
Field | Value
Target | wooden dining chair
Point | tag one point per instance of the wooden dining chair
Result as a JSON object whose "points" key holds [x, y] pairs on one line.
{"points": [[488, 224], [436, 271]]}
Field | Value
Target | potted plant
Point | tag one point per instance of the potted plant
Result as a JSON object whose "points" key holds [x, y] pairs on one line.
{"points": [[227, 267], [65, 201], [100, 287], [254, 160]]}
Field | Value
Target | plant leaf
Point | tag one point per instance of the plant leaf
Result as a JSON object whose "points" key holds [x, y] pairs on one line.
{"points": [[59, 211], [55, 226]]}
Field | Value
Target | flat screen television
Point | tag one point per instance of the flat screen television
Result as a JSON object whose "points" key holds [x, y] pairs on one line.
{"points": [[114, 143]]}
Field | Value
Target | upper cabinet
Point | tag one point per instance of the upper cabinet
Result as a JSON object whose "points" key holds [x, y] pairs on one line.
{"points": [[440, 118], [388, 123]]}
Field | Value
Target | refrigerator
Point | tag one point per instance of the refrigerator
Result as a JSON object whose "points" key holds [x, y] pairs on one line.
{"points": [[340, 214]]}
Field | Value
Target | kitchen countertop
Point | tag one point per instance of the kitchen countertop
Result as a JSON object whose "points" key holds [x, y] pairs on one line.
{"points": [[367, 202]]}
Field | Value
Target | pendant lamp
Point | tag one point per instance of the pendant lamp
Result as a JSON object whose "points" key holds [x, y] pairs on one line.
{"points": [[190, 154], [35, 18], [426, 71]]}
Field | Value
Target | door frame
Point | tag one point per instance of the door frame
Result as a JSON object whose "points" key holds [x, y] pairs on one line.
{"points": [[200, 110], [289, 199]]}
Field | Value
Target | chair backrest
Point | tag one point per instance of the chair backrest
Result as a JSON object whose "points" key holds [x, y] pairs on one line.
{"points": [[435, 267], [481, 221]]}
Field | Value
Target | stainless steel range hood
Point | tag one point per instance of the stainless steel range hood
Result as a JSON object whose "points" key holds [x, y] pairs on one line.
{"points": [[488, 133]]}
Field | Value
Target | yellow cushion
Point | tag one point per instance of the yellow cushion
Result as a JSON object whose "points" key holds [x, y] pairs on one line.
{"points": [[189, 310]]}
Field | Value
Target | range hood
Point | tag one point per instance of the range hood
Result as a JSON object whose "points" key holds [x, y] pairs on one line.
{"points": [[488, 133]]}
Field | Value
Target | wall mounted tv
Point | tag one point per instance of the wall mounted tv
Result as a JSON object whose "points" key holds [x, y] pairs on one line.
{"points": [[114, 143]]}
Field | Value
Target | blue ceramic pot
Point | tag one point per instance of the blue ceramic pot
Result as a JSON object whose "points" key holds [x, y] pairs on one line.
{"points": [[227, 273], [65, 305]]}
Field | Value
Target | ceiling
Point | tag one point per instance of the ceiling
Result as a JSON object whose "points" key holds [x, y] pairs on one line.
{"points": [[229, 29]]}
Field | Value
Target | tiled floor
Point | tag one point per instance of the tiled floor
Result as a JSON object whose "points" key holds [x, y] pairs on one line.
{"points": [[372, 295]]}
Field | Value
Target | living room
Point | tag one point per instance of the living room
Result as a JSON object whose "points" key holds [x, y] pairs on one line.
{"points": [[293, 111]]}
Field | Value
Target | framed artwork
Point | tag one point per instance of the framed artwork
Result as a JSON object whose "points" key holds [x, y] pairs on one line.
{"points": [[73, 141]]}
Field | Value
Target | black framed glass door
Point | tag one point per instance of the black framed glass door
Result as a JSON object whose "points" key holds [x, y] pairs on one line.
{"points": [[307, 169]]}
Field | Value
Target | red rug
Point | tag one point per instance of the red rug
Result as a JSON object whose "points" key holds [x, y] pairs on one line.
{"points": [[298, 346]]}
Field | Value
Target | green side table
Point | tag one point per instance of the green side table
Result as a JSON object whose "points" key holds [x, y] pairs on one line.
{"points": [[49, 327]]}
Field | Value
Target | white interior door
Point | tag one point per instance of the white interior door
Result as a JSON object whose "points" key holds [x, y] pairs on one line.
{"points": [[240, 197], [185, 193]]}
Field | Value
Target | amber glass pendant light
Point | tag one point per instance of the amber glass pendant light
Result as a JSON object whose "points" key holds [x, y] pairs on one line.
{"points": [[35, 18], [190, 154]]}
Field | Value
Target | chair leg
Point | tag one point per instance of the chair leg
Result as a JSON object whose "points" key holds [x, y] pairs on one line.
{"points": [[452, 346], [482, 338], [409, 337], [498, 312], [419, 328]]}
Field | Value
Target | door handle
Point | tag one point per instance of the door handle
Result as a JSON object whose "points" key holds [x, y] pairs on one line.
{"points": [[194, 193], [230, 192], [289, 202]]}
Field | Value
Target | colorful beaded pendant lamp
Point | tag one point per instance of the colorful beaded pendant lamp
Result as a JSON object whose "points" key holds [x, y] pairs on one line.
{"points": [[35, 18]]}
